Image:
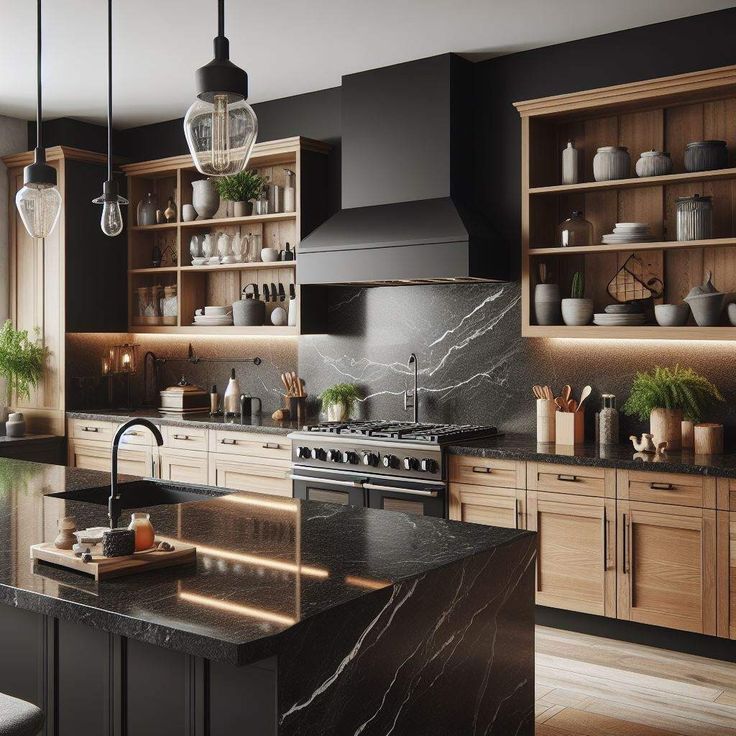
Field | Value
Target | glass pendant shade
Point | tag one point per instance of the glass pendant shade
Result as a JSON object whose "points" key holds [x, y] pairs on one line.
{"points": [[111, 220], [220, 134], [39, 206]]}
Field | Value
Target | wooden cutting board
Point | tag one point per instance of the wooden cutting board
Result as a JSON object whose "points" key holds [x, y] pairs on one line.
{"points": [[109, 567]]}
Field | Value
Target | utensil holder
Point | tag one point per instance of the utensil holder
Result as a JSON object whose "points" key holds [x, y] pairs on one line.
{"points": [[297, 406], [546, 410], [569, 427]]}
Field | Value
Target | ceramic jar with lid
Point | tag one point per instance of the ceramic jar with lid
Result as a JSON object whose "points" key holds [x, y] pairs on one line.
{"points": [[16, 425], [694, 217], [611, 162], [706, 155], [654, 163]]}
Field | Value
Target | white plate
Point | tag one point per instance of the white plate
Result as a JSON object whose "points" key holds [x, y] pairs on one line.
{"points": [[634, 225]]}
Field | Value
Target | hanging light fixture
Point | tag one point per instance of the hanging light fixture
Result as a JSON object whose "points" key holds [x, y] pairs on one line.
{"points": [[221, 126], [39, 201], [111, 221]]}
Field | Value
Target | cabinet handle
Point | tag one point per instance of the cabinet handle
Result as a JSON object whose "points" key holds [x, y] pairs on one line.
{"points": [[271, 446], [626, 531], [181, 436], [662, 486], [228, 442], [605, 541], [567, 478], [517, 513], [132, 433], [477, 469], [90, 429]]}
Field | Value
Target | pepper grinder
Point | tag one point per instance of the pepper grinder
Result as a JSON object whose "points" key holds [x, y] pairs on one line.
{"points": [[608, 421], [214, 401]]}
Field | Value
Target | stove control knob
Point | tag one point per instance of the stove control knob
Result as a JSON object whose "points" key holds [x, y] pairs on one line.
{"points": [[428, 465], [318, 453], [370, 458], [411, 463], [303, 452], [334, 456], [350, 457], [390, 461]]}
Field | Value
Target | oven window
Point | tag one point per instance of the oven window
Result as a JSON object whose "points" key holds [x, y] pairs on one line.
{"points": [[320, 494], [398, 504]]}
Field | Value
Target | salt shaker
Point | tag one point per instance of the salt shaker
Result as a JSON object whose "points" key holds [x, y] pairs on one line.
{"points": [[608, 421]]}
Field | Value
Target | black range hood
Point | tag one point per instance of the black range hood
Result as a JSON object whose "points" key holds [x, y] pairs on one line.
{"points": [[407, 183]]}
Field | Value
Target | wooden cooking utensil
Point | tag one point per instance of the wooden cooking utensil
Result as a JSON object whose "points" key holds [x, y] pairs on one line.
{"points": [[572, 405], [561, 403], [538, 392], [566, 392], [548, 393], [587, 391]]}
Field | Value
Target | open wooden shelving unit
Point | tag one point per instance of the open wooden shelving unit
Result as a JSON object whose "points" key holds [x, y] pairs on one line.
{"points": [[663, 114], [198, 286]]}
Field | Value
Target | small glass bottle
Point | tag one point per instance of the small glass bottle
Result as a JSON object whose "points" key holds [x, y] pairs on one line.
{"points": [[140, 523], [576, 230], [608, 421]]}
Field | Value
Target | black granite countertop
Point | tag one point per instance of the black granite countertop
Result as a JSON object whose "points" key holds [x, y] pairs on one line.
{"points": [[265, 565], [254, 424], [525, 447]]}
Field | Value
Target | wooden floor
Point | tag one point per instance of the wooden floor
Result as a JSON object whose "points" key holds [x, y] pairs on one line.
{"points": [[588, 686]]}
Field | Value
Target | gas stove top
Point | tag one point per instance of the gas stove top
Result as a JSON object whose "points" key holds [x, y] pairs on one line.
{"points": [[405, 431]]}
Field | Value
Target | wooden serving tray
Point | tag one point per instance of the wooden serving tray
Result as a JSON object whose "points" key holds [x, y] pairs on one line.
{"points": [[109, 567]]}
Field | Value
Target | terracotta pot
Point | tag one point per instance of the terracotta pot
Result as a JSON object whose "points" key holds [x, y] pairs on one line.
{"points": [[665, 425]]}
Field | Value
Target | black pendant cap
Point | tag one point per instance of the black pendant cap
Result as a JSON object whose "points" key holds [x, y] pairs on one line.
{"points": [[39, 172], [221, 76], [110, 191]]}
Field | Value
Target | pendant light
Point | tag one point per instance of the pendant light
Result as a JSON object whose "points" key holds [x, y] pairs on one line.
{"points": [[220, 126], [39, 201], [111, 221]]}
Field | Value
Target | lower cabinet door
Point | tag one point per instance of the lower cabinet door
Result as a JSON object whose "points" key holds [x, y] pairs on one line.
{"points": [[504, 507], [226, 472], [98, 456], [667, 563], [576, 560], [184, 467]]}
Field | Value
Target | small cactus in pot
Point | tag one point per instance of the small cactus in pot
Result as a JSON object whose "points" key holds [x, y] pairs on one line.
{"points": [[577, 310]]}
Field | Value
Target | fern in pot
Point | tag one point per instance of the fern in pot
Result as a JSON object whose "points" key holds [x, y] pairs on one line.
{"points": [[666, 396], [577, 310], [22, 362], [337, 401], [241, 189]]}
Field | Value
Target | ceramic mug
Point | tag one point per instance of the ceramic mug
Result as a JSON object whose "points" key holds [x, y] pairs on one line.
{"points": [[188, 213]]}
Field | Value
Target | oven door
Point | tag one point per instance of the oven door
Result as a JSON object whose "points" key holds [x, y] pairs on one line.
{"points": [[425, 498], [328, 486]]}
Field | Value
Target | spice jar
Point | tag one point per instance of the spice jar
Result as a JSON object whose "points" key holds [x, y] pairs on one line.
{"points": [[140, 523], [694, 217], [576, 230], [608, 421]]}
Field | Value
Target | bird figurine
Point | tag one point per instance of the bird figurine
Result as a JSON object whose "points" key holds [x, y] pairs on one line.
{"points": [[645, 444]]}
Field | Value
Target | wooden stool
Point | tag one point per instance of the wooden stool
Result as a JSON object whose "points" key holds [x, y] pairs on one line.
{"points": [[19, 718]]}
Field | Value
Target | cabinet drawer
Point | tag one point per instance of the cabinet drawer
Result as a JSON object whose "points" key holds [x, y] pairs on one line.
{"points": [[184, 467], [250, 444], [225, 472], [185, 438], [91, 429], [571, 479], [139, 436], [678, 489], [503, 507], [98, 456], [487, 471]]}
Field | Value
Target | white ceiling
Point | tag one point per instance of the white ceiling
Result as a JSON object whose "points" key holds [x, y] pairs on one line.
{"points": [[286, 46]]}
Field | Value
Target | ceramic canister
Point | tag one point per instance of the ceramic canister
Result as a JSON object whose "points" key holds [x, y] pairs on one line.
{"points": [[611, 162], [547, 304], [654, 163], [706, 155]]}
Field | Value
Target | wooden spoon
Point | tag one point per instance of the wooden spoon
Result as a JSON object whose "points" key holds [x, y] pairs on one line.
{"points": [[548, 393], [561, 403], [566, 392], [537, 391], [587, 391]]}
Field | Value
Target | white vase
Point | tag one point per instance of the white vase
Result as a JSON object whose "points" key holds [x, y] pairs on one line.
{"points": [[547, 304], [570, 164], [577, 312], [205, 198], [611, 162]]}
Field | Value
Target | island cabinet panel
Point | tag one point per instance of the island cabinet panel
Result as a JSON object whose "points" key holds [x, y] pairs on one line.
{"points": [[488, 472], [22, 636], [577, 480], [726, 540], [679, 489], [576, 543], [667, 566], [184, 467], [477, 504]]}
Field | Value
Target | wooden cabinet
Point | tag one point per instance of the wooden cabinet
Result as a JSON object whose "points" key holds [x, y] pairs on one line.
{"points": [[487, 472], [184, 467], [248, 475], [504, 507], [680, 489], [576, 559], [98, 456], [571, 479], [667, 566]]}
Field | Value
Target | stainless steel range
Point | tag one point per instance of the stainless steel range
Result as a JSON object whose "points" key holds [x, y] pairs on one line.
{"points": [[399, 466]]}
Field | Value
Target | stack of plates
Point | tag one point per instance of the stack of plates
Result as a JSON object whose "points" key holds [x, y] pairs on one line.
{"points": [[628, 232], [619, 320], [203, 320]]}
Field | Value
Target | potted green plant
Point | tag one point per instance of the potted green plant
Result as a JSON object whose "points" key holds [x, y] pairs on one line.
{"points": [[665, 396], [577, 310], [337, 401], [240, 189], [21, 365]]}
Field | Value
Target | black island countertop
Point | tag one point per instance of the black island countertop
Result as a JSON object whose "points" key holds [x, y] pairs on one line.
{"points": [[265, 565]]}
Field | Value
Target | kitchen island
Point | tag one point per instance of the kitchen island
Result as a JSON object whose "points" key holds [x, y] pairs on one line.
{"points": [[298, 618]]}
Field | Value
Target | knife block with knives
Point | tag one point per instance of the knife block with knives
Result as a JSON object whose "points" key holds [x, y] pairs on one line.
{"points": [[295, 397]]}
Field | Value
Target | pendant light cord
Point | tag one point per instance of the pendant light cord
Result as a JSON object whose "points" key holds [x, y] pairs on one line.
{"points": [[38, 74], [109, 90], [220, 18]]}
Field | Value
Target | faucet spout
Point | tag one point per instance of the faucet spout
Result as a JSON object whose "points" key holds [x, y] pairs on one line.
{"points": [[114, 505]]}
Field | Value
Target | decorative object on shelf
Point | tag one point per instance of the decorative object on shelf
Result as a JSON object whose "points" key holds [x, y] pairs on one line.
{"points": [[338, 400], [260, 203], [694, 218], [667, 395], [688, 434], [547, 300], [111, 220], [170, 211], [208, 251], [160, 218], [577, 310], [220, 126], [269, 255], [16, 425], [654, 163], [607, 419], [706, 155], [671, 315], [628, 232], [140, 524], [195, 250], [237, 248], [576, 230], [275, 198], [223, 248], [213, 316], [293, 306], [169, 305], [708, 439], [188, 213], [732, 314], [570, 164], [279, 317], [146, 210], [240, 189], [205, 198], [66, 539], [38, 202], [628, 308], [611, 162], [287, 254], [118, 542], [632, 282], [249, 311], [706, 302], [645, 444], [290, 191], [254, 247]]}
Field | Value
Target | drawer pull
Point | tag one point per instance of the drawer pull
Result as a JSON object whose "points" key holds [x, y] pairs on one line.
{"points": [[477, 469], [226, 441], [567, 478], [662, 486], [90, 429], [133, 433], [181, 437], [271, 446]]}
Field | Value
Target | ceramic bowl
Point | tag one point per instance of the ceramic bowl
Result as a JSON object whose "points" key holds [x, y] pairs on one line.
{"points": [[671, 315], [577, 312], [707, 308], [732, 314], [269, 255], [215, 311]]}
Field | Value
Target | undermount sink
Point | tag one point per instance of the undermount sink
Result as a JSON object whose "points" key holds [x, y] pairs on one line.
{"points": [[142, 493]]}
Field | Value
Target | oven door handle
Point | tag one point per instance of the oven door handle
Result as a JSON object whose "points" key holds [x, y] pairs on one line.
{"points": [[399, 489], [328, 481]]}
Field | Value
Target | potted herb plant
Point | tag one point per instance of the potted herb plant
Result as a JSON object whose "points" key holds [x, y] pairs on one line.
{"points": [[240, 189], [21, 365], [577, 310], [337, 401], [667, 395]]}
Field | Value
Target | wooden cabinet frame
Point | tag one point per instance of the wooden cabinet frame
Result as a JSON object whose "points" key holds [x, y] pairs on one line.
{"points": [[505, 507]]}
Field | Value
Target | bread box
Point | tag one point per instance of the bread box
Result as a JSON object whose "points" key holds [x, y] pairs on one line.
{"points": [[184, 398]]}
